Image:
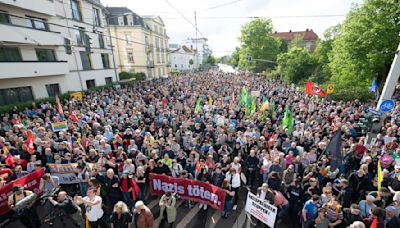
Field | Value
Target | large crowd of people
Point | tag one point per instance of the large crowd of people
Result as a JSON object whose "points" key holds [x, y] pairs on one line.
{"points": [[170, 126]]}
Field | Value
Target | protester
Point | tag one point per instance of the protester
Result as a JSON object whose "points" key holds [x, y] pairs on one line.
{"points": [[94, 212], [121, 217], [27, 214], [143, 216], [167, 208]]}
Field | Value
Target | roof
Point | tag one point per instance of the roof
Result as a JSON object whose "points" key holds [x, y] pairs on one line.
{"points": [[184, 49], [288, 36], [118, 10]]}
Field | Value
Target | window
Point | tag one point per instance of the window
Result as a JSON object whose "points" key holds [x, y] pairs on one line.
{"points": [[85, 58], [10, 54], [127, 38], [130, 57], [4, 18], [76, 12], [101, 41], [53, 89], [67, 44], [158, 57], [108, 80], [45, 55], [15, 95], [90, 84], [96, 15], [37, 23], [105, 60], [125, 20], [80, 36], [159, 72]]}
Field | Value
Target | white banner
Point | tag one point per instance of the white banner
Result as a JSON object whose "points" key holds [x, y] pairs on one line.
{"points": [[261, 209], [256, 93], [66, 178]]}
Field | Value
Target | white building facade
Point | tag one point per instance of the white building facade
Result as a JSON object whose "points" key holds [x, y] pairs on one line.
{"points": [[183, 59], [49, 47], [199, 44]]}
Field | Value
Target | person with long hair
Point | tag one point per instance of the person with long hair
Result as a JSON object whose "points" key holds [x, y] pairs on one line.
{"points": [[230, 193], [121, 217]]}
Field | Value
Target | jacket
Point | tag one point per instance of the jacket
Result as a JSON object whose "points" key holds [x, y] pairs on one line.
{"points": [[145, 219], [170, 207]]}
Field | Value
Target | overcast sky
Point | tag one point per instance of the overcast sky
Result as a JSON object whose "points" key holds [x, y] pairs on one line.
{"points": [[222, 33]]}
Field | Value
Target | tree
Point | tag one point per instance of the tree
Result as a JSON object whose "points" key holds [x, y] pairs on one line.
{"points": [[209, 60], [191, 62], [296, 65], [297, 42], [235, 57], [364, 48], [257, 41]]}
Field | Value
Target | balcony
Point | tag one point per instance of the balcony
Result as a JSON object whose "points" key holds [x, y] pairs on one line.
{"points": [[149, 48], [32, 69], [28, 31], [150, 64], [39, 6]]}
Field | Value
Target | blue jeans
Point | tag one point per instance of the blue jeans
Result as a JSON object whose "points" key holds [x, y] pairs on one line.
{"points": [[265, 177], [227, 206], [127, 196]]}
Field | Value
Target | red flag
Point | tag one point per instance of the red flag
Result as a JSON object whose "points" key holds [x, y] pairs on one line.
{"points": [[29, 143], [9, 159], [374, 223], [314, 90], [73, 117]]}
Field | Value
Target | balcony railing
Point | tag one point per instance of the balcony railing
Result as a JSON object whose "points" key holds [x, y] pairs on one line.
{"points": [[23, 69], [150, 64], [40, 6]]}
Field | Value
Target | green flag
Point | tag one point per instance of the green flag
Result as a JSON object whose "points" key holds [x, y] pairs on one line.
{"points": [[254, 105], [272, 108], [264, 115], [287, 122], [197, 107], [248, 105], [244, 95]]}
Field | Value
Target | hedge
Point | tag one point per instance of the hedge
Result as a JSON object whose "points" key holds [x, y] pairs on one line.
{"points": [[129, 75]]}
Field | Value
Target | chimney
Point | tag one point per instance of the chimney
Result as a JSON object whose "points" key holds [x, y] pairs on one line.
{"points": [[290, 30], [306, 30]]}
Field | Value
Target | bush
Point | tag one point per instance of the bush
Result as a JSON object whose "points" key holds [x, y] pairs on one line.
{"points": [[132, 76], [351, 93]]}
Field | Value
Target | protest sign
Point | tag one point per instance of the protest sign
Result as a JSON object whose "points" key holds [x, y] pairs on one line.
{"points": [[67, 173], [76, 96], [29, 182], [261, 209], [59, 126], [193, 190], [255, 93]]}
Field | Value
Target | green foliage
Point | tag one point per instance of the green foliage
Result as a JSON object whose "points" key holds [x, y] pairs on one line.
{"points": [[296, 65], [349, 93], [297, 42], [257, 41], [210, 60], [364, 48], [191, 62], [132, 76], [235, 57]]}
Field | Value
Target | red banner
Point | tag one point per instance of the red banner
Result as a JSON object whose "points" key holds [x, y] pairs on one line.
{"points": [[193, 190], [30, 182]]}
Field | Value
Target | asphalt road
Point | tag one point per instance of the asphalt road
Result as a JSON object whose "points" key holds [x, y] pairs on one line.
{"points": [[193, 217]]}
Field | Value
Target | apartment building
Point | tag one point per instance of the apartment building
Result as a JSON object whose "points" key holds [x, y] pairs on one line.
{"points": [[52, 46], [182, 58], [140, 42]]}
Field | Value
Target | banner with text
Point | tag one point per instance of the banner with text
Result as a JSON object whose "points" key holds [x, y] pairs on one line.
{"points": [[193, 190], [30, 182], [261, 209], [67, 173]]}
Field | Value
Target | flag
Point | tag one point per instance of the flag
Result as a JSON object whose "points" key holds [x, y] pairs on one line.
{"points": [[314, 90], [221, 102], [248, 105], [210, 100], [272, 108], [197, 107], [264, 106], [244, 94], [380, 176], [330, 88], [254, 105], [374, 223], [73, 117], [264, 116], [232, 102], [287, 122], [29, 143], [9, 157], [59, 107], [374, 88], [334, 151]]}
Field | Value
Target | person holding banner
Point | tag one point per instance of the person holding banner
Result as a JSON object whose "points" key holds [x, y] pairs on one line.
{"points": [[27, 214]]}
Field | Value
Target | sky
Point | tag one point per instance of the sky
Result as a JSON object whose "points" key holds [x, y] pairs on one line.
{"points": [[222, 33]]}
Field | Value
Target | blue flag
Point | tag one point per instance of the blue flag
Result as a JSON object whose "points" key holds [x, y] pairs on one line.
{"points": [[334, 151], [374, 88]]}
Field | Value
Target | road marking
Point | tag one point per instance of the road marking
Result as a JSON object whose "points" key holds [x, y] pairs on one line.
{"points": [[215, 217], [188, 217], [241, 219], [152, 204]]}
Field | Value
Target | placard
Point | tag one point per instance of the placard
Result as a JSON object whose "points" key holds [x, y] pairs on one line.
{"points": [[261, 209], [59, 126]]}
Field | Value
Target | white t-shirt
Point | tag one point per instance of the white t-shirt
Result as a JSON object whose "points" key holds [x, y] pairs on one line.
{"points": [[94, 212]]}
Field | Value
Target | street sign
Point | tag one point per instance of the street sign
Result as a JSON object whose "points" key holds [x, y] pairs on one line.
{"points": [[374, 112], [386, 105]]}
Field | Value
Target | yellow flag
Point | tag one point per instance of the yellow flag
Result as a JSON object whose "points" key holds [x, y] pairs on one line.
{"points": [[210, 100], [380, 176], [330, 88]]}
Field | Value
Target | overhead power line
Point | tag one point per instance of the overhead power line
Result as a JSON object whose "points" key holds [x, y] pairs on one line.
{"points": [[221, 5], [173, 7], [267, 17]]}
